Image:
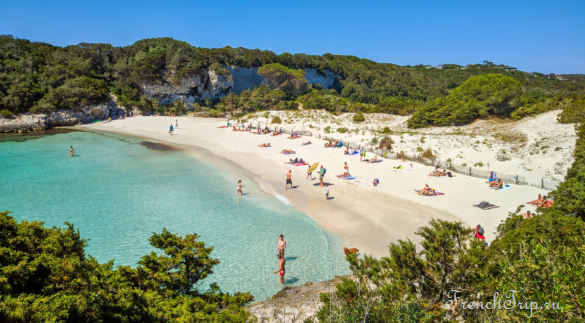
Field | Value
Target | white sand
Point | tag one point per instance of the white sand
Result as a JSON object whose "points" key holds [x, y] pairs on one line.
{"points": [[368, 217]]}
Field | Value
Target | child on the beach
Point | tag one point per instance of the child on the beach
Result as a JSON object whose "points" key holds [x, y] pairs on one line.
{"points": [[327, 192]]}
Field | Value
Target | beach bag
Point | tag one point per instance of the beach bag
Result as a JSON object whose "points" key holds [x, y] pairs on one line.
{"points": [[449, 174], [324, 171], [480, 230]]}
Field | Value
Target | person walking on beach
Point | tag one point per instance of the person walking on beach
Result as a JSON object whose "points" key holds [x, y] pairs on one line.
{"points": [[288, 180], [321, 176], [345, 171], [171, 130], [281, 270], [239, 191], [362, 153], [281, 246], [310, 174], [71, 152], [176, 124], [327, 192]]}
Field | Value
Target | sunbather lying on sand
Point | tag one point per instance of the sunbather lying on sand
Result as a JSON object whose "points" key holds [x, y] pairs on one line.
{"points": [[496, 184], [425, 191], [542, 202], [287, 151], [265, 145], [346, 152], [294, 136], [276, 133], [330, 144], [306, 143], [438, 173]]}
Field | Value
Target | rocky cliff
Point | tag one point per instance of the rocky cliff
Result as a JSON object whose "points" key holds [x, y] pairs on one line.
{"points": [[212, 85]]}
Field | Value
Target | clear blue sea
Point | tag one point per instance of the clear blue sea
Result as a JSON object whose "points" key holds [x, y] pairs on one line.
{"points": [[118, 190]]}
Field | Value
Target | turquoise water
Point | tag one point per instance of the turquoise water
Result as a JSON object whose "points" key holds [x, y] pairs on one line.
{"points": [[118, 190]]}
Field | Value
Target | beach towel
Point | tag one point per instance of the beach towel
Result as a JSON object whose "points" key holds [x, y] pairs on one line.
{"points": [[505, 188], [350, 178], [486, 206], [367, 160], [299, 164], [398, 167], [288, 153], [355, 152]]}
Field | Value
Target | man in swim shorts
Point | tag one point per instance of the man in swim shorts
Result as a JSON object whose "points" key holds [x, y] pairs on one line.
{"points": [[321, 176], [327, 192], [288, 180], [71, 152], [281, 270], [171, 130]]}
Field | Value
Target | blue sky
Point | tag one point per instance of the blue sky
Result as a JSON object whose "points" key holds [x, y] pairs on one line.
{"points": [[542, 36]]}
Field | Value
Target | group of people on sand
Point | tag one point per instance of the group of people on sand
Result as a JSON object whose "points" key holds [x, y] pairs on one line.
{"points": [[238, 129], [427, 190], [541, 201], [288, 151], [296, 161], [438, 173], [497, 184], [332, 144], [266, 144], [294, 136]]}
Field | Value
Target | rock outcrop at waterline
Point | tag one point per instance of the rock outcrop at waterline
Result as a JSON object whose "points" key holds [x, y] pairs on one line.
{"points": [[293, 303], [35, 122]]}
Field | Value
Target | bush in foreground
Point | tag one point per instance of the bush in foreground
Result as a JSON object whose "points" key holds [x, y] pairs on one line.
{"points": [[45, 276]]}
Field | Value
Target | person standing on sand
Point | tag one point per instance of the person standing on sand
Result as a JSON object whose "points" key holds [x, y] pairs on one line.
{"points": [[310, 174], [321, 176], [171, 130], [281, 246], [176, 124], [288, 180], [71, 152], [327, 192], [239, 191], [362, 153], [281, 270]]}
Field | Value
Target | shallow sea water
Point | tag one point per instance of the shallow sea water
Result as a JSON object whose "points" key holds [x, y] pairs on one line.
{"points": [[118, 190]]}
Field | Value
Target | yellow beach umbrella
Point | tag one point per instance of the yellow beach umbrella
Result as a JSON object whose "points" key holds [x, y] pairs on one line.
{"points": [[313, 167]]}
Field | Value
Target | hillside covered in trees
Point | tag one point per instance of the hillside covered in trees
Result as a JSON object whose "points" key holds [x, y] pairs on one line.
{"points": [[39, 77]]}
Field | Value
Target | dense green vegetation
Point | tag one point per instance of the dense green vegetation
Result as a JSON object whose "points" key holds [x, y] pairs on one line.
{"points": [[45, 276], [540, 259], [37, 76]]}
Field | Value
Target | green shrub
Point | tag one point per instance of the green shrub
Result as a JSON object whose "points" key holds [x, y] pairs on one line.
{"points": [[386, 131], [374, 141], [386, 143], [6, 114], [342, 130], [419, 149], [428, 153], [359, 117], [276, 119], [575, 112], [327, 129]]}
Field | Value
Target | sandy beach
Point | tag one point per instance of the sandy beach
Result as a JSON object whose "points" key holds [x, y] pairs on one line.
{"points": [[369, 217]]}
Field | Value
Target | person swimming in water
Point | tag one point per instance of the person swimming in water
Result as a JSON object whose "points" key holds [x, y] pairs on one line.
{"points": [[281, 245], [281, 269], [239, 190], [71, 152]]}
